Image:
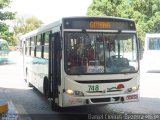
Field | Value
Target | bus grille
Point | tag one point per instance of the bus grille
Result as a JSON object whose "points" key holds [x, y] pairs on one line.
{"points": [[99, 100]]}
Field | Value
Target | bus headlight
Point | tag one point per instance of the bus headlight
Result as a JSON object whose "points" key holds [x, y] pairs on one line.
{"points": [[70, 92], [75, 93], [132, 89]]}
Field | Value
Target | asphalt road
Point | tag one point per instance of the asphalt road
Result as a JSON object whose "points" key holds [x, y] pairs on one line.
{"points": [[31, 105]]}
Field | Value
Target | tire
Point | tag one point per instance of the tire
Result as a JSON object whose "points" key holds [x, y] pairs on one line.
{"points": [[46, 89]]}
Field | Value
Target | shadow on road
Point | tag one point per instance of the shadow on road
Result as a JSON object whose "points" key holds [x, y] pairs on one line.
{"points": [[31, 104]]}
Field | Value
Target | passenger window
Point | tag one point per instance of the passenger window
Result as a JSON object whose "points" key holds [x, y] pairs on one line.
{"points": [[46, 45], [38, 47], [35, 40], [28, 46], [32, 46]]}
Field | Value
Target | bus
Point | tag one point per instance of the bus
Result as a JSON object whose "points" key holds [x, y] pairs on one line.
{"points": [[152, 52], [79, 61], [4, 51]]}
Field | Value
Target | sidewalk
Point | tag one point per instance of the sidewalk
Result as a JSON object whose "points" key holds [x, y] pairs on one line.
{"points": [[13, 114]]}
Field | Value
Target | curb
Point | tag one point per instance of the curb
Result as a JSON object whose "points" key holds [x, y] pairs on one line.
{"points": [[8, 111]]}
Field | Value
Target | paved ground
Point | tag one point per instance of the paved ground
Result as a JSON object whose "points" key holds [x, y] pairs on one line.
{"points": [[22, 99], [30, 104]]}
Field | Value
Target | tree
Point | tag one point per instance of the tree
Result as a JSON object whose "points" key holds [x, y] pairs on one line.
{"points": [[146, 13], [22, 26], [106, 7], [4, 28]]}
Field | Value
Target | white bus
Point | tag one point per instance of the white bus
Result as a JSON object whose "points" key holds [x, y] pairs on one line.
{"points": [[84, 61], [152, 52]]}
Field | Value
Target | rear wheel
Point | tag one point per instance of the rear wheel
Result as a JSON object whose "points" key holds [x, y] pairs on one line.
{"points": [[46, 87]]}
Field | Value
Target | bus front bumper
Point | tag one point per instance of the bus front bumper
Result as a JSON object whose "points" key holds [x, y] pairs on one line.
{"points": [[107, 99]]}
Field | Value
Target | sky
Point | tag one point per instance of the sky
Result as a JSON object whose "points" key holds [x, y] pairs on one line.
{"points": [[50, 10]]}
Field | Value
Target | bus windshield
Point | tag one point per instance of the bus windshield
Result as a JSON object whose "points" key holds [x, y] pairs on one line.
{"points": [[100, 53]]}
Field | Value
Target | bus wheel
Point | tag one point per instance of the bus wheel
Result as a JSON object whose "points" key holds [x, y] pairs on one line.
{"points": [[46, 88], [27, 79]]}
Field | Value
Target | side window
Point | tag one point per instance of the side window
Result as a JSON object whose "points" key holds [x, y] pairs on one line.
{"points": [[43, 39], [32, 46], [46, 45], [35, 40], [38, 47], [28, 47]]}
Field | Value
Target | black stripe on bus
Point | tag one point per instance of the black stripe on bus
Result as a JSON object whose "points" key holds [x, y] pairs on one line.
{"points": [[104, 81]]}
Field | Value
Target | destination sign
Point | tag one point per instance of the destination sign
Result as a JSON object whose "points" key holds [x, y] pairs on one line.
{"points": [[98, 24]]}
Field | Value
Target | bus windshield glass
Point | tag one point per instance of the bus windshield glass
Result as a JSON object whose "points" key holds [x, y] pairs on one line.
{"points": [[100, 53]]}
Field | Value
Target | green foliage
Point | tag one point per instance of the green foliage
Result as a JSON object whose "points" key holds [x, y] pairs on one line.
{"points": [[4, 3], [22, 26], [146, 13], [107, 7], [4, 29], [7, 15]]}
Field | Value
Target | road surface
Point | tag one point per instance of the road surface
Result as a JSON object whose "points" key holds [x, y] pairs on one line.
{"points": [[30, 104]]}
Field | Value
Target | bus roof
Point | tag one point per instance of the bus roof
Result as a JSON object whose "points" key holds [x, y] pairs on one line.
{"points": [[2, 40], [42, 29], [101, 17], [152, 35], [47, 27]]}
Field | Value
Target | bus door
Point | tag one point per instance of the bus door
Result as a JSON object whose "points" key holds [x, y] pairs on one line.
{"points": [[54, 64]]}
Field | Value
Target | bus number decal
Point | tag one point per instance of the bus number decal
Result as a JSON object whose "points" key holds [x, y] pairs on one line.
{"points": [[93, 88]]}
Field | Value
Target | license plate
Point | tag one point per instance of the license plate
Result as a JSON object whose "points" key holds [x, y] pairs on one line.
{"points": [[130, 97]]}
